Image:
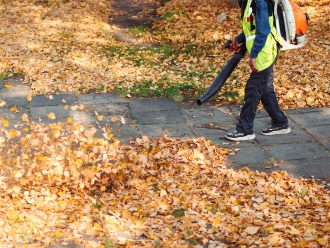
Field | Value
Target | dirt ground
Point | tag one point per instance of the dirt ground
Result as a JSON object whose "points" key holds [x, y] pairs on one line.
{"points": [[130, 13]]}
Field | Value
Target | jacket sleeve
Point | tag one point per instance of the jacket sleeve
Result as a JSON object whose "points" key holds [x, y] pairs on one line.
{"points": [[262, 27], [240, 38]]}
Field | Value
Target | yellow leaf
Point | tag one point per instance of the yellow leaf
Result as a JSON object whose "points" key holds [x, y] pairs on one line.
{"points": [[113, 119], [79, 161], [294, 231], [252, 230], [8, 85], [66, 107], [51, 116], [58, 234], [126, 214], [89, 133], [29, 97], [11, 215], [25, 117], [217, 221], [2, 103], [81, 106], [97, 227], [100, 117], [289, 94], [14, 109], [13, 134], [74, 107], [322, 241], [309, 100], [5, 123]]}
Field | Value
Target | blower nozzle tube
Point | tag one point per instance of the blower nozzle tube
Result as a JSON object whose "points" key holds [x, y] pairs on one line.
{"points": [[223, 75]]}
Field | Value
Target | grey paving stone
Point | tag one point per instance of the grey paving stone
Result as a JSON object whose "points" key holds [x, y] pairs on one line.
{"points": [[126, 134], [319, 132], [6, 113], [54, 100], [59, 111], [237, 110], [157, 117], [15, 96], [248, 156], [207, 115], [147, 105], [171, 130], [2, 83], [318, 118], [223, 142], [17, 82], [108, 109], [319, 167], [91, 99], [296, 151], [325, 142], [217, 128]]}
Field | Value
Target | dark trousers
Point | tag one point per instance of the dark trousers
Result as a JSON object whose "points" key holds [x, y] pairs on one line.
{"points": [[259, 87]]}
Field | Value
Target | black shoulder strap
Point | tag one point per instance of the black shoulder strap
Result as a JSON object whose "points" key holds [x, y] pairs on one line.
{"points": [[270, 4], [254, 10], [243, 6]]}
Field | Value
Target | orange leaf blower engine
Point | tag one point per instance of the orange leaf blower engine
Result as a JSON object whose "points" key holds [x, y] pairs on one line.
{"points": [[290, 23]]}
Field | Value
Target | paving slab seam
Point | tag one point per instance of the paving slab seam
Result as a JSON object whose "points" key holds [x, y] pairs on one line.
{"points": [[315, 139]]}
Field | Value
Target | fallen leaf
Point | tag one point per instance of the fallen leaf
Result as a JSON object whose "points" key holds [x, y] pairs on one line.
{"points": [[252, 230], [51, 116]]}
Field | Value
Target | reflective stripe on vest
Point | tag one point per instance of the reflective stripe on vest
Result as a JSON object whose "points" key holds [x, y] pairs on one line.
{"points": [[251, 37]]}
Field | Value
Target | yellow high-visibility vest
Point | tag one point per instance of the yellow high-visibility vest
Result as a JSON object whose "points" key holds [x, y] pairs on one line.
{"points": [[267, 55]]}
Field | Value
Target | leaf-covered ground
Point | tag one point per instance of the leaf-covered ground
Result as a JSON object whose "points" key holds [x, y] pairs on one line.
{"points": [[59, 183], [68, 46]]}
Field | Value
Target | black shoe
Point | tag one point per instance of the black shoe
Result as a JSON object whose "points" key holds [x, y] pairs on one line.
{"points": [[276, 130], [237, 136]]}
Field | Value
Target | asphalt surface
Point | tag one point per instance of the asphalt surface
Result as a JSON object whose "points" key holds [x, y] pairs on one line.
{"points": [[305, 152]]}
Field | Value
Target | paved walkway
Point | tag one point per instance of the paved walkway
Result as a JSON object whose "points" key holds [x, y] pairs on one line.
{"points": [[303, 153]]}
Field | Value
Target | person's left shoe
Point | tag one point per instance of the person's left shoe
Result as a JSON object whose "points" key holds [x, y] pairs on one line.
{"points": [[238, 136], [276, 130]]}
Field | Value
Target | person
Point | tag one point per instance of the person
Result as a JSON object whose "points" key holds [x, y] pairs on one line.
{"points": [[263, 45]]}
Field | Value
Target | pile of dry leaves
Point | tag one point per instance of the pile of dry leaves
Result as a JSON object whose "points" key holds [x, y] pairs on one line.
{"points": [[59, 183]]}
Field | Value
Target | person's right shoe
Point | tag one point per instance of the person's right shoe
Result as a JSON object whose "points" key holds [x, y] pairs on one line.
{"points": [[276, 130], [238, 136]]}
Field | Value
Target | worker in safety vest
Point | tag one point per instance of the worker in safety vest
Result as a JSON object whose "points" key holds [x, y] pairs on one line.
{"points": [[262, 43]]}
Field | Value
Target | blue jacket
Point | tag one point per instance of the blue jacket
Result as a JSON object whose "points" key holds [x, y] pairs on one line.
{"points": [[262, 28]]}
